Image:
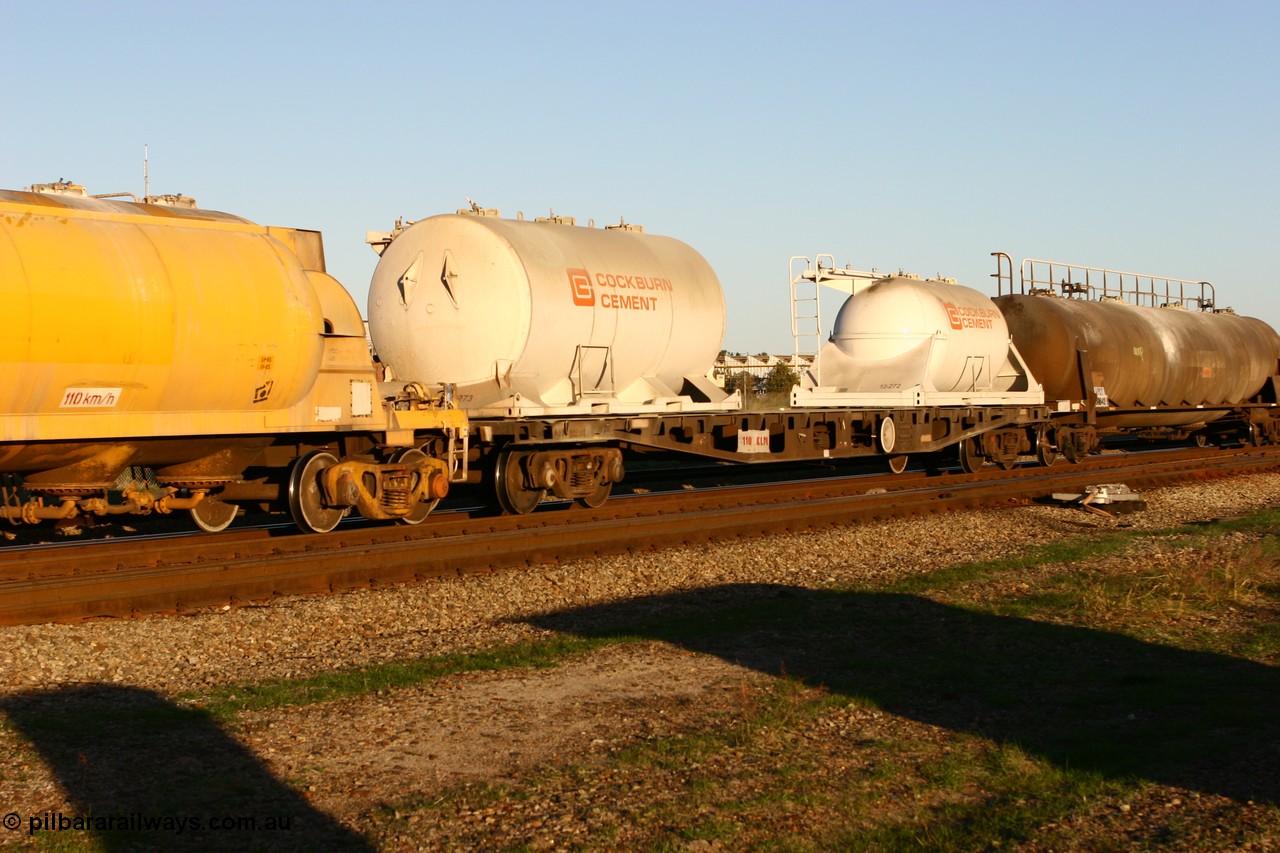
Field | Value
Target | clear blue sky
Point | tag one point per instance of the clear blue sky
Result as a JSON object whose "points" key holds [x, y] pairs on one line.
{"points": [[920, 135]]}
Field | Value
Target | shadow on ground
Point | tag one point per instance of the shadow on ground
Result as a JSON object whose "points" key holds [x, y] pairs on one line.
{"points": [[143, 773], [1080, 698]]}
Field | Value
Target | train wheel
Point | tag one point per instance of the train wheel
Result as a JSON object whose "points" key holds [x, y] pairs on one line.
{"points": [[306, 499], [1255, 435], [422, 508], [971, 460], [212, 515], [1046, 455], [508, 485], [597, 498], [898, 464]]}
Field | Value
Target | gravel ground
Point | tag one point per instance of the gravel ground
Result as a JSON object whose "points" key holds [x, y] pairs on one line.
{"points": [[348, 755], [304, 635]]}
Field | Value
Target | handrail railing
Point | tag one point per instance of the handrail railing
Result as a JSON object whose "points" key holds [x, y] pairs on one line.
{"points": [[1074, 281]]}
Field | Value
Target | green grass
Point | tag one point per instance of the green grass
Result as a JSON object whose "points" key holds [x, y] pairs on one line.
{"points": [[1150, 584], [347, 683], [1019, 796], [1067, 551]]}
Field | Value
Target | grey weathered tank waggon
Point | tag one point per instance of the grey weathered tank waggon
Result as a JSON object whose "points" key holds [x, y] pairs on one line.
{"points": [[1120, 351]]}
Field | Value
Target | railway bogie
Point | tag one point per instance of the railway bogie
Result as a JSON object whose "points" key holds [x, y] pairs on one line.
{"points": [[1263, 427], [520, 476]]}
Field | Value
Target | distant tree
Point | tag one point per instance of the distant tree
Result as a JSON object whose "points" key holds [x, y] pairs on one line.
{"points": [[780, 380], [739, 380]]}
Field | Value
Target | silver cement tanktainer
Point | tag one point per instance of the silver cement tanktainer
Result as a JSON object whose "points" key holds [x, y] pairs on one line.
{"points": [[547, 318]]}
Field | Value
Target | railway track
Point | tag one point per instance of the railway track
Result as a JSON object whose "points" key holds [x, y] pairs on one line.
{"points": [[122, 578]]}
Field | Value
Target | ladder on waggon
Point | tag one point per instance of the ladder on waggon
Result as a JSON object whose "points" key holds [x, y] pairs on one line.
{"points": [[808, 277]]}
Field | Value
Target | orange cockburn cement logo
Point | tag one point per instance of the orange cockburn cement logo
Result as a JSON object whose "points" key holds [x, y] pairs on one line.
{"points": [[970, 316], [580, 285], [616, 290]]}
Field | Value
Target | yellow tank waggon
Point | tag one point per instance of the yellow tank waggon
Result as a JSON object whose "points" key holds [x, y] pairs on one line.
{"points": [[212, 353]]}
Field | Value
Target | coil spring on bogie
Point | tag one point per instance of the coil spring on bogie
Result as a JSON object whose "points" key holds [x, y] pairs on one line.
{"points": [[395, 500], [397, 494]]}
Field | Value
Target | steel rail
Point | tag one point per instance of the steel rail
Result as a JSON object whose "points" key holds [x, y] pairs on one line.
{"points": [[128, 578]]}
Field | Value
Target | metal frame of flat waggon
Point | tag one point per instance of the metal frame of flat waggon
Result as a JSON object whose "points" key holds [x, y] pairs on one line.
{"points": [[792, 434]]}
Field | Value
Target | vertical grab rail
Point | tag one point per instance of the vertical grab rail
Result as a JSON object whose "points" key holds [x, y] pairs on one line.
{"points": [[1002, 277]]}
